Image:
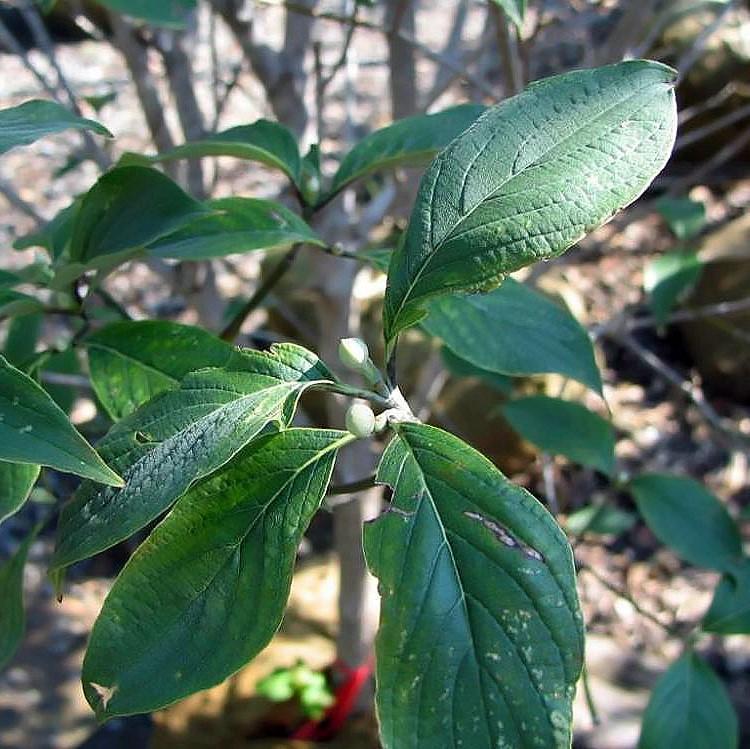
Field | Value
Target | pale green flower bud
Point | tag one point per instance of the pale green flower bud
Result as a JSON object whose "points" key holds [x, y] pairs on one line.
{"points": [[360, 420], [353, 353]]}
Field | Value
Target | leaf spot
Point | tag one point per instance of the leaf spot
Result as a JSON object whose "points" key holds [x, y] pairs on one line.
{"points": [[105, 693], [504, 536]]}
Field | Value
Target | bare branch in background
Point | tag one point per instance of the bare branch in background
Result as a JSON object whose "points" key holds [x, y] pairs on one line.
{"points": [[480, 84], [507, 44], [136, 59], [173, 46], [692, 55], [282, 74], [690, 389], [11, 43], [19, 203], [627, 32], [452, 50], [402, 61], [42, 39], [721, 157]]}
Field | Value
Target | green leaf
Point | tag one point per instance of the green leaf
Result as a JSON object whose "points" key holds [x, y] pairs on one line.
{"points": [[12, 615], [668, 278], [528, 179], [377, 257], [481, 636], [55, 236], [21, 339], [462, 368], [8, 279], [180, 437], [207, 590], [514, 9], [238, 225], [128, 208], [131, 362], [159, 12], [730, 609], [690, 709], [685, 517], [16, 482], [267, 142], [600, 519], [684, 216], [13, 303], [34, 430], [412, 141], [61, 362], [26, 123], [514, 330], [560, 427]]}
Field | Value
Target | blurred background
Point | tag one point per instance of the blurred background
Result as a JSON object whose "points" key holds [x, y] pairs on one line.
{"points": [[663, 290]]}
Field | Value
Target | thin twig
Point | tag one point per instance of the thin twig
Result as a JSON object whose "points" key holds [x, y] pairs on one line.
{"points": [[690, 113], [589, 697], [328, 79], [720, 309], [18, 202], [11, 43], [507, 45], [690, 389], [436, 57], [42, 39], [727, 153], [232, 330], [352, 486], [691, 56], [550, 488], [693, 136], [670, 629], [66, 380]]}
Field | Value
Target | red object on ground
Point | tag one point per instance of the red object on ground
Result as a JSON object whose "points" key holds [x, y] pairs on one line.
{"points": [[346, 698]]}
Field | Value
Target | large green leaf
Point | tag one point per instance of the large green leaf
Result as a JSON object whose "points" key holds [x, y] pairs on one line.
{"points": [[16, 483], [130, 207], [12, 614], [34, 430], [207, 590], [684, 516], [131, 362], [481, 636], [514, 9], [514, 330], [240, 225], [690, 709], [561, 427], [730, 609], [528, 179], [180, 437], [267, 142], [22, 125], [412, 141], [160, 12]]}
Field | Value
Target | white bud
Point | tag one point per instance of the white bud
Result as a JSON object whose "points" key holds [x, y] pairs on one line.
{"points": [[353, 353], [360, 420]]}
